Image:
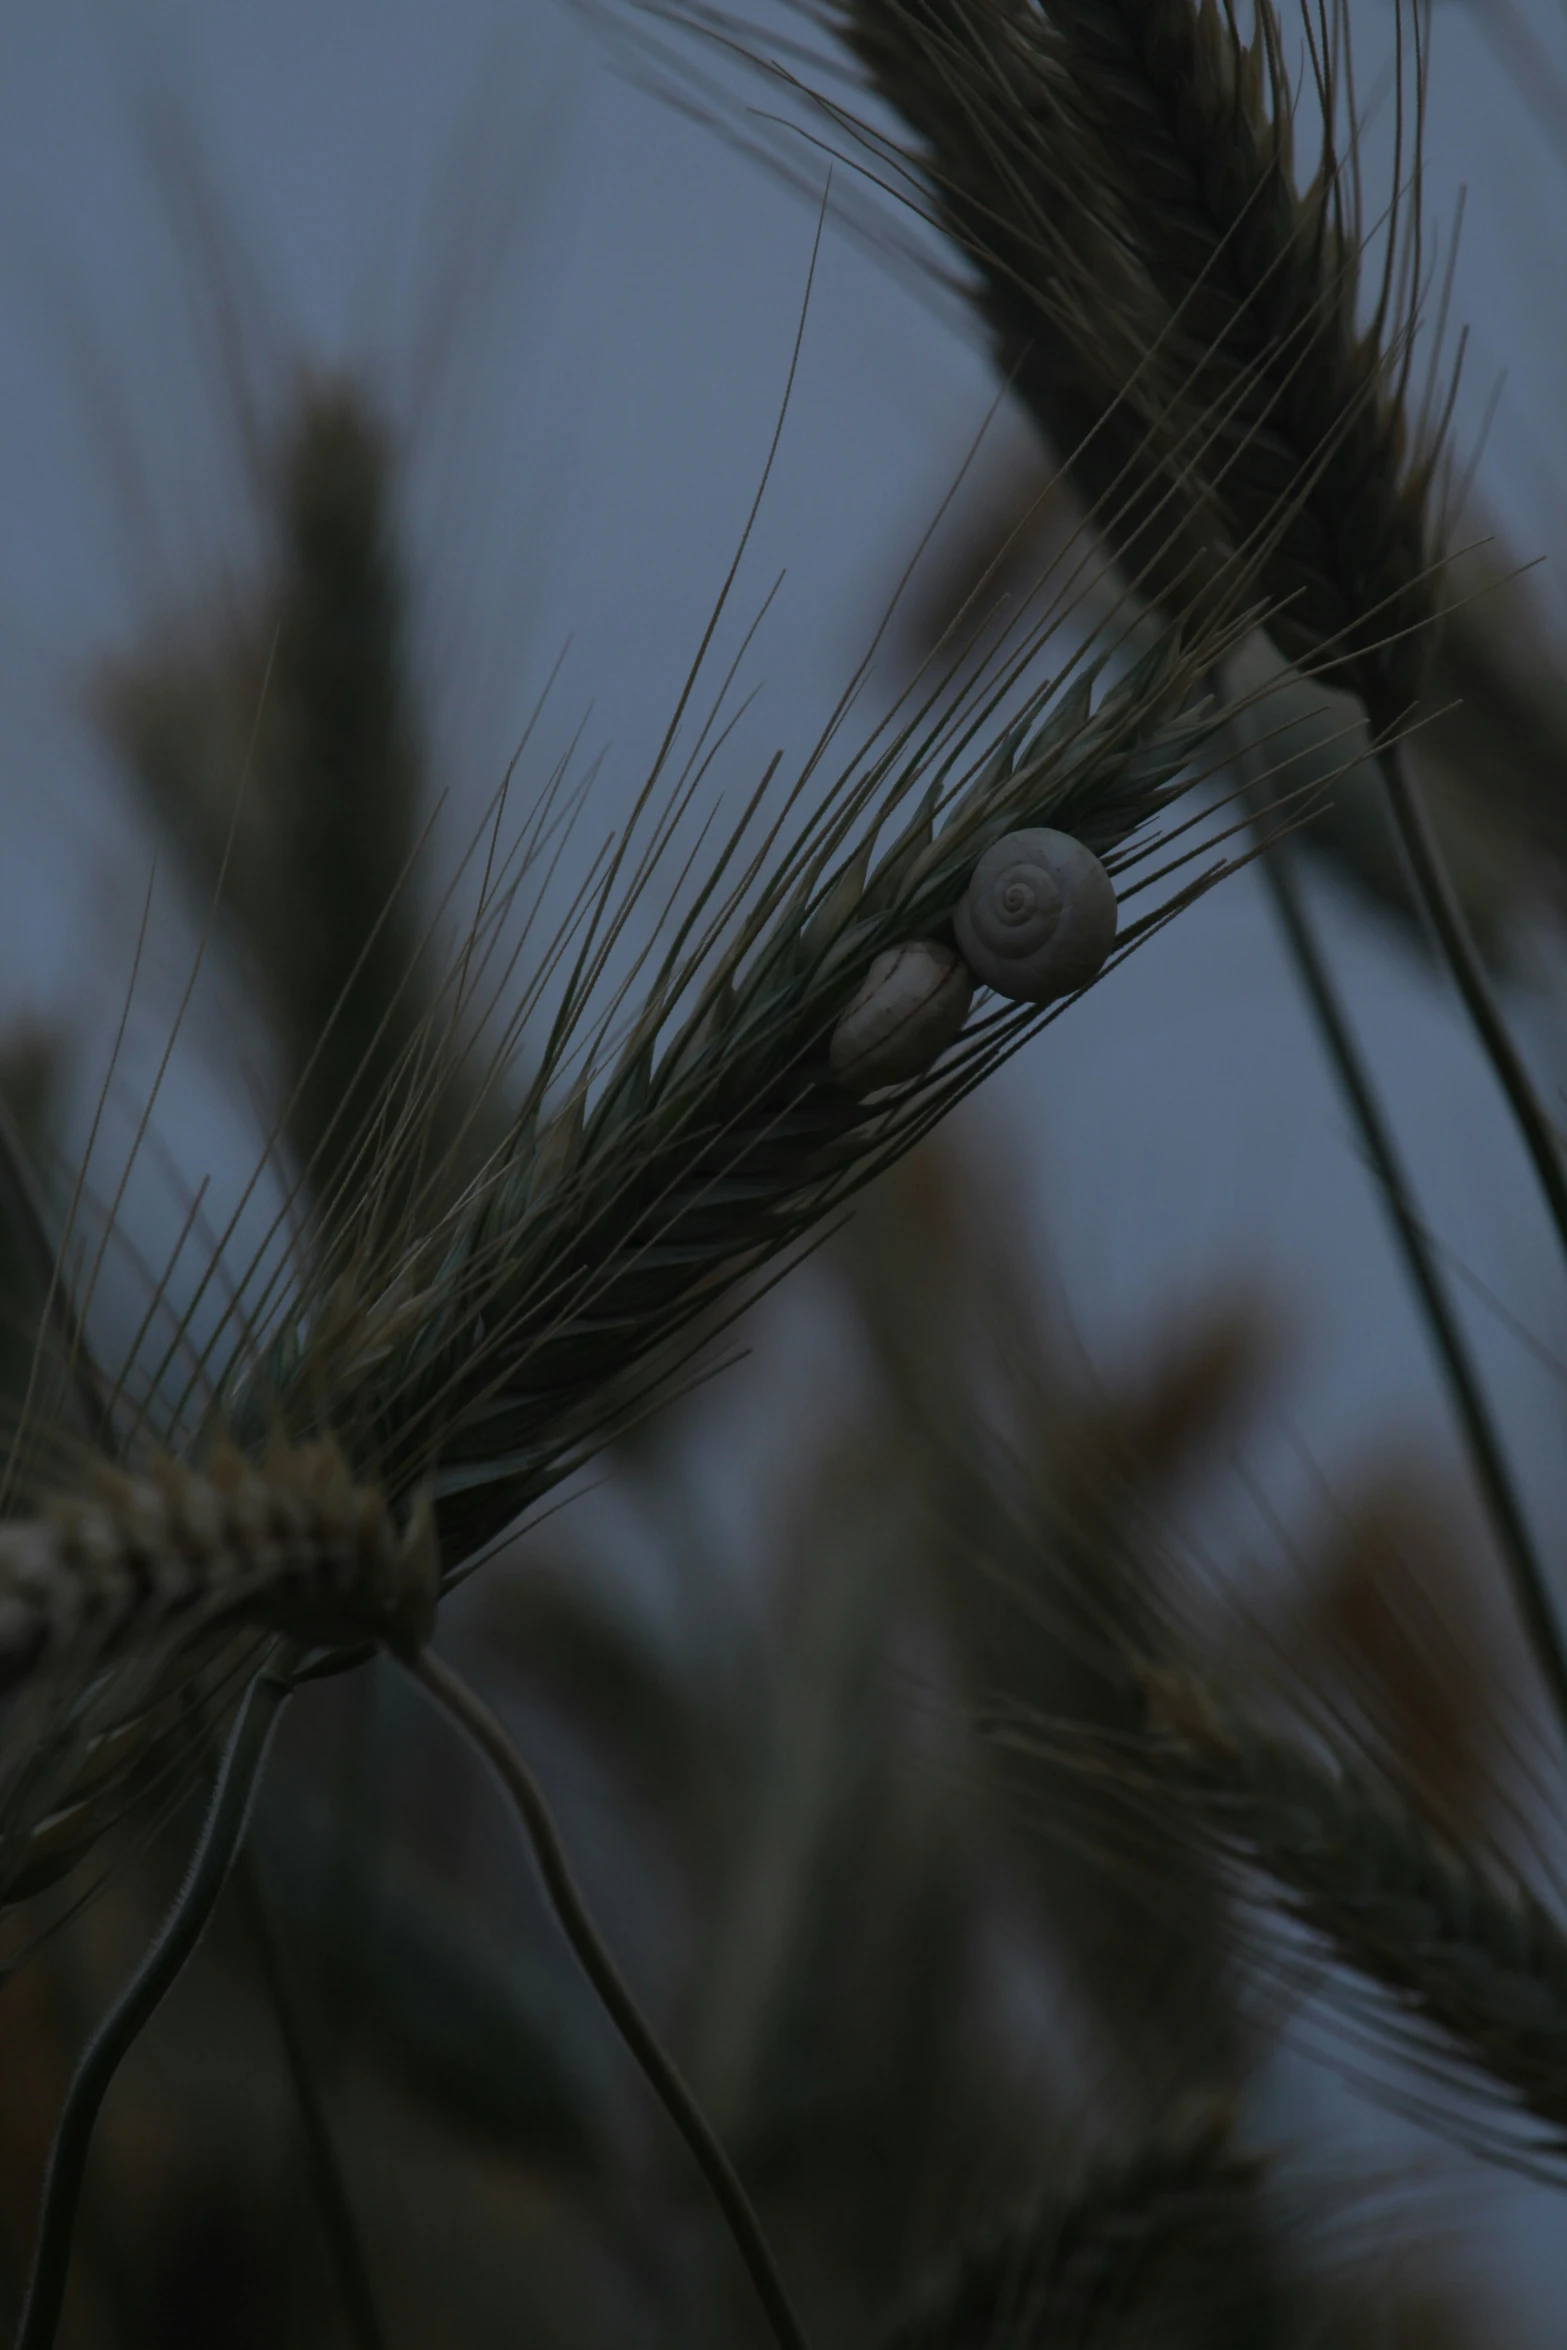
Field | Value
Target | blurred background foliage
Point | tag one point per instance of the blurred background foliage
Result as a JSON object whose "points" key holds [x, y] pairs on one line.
{"points": [[978, 2040]]}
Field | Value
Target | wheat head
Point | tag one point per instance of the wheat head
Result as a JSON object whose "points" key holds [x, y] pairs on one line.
{"points": [[1183, 317], [1481, 1963], [649, 1175]]}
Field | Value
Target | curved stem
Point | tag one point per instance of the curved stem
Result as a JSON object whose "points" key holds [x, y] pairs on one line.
{"points": [[1530, 1588], [1437, 896], [221, 1835], [470, 1711]]}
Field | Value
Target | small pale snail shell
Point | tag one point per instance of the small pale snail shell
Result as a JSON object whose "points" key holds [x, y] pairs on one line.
{"points": [[1038, 917], [911, 1004]]}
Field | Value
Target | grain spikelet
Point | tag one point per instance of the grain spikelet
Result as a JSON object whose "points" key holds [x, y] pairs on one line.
{"points": [[294, 1546], [129, 1611]]}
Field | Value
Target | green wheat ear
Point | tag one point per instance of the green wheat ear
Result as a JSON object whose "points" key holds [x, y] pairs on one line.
{"points": [[642, 1183]]}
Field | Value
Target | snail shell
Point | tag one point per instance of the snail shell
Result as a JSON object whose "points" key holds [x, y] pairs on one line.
{"points": [[910, 1006], [1038, 917]]}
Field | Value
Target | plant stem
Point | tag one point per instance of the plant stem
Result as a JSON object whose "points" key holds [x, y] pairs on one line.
{"points": [[221, 1835], [475, 1717], [1437, 896], [336, 2208], [1530, 1587]]}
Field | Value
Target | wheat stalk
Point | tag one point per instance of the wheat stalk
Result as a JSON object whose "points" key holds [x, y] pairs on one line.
{"points": [[478, 1723], [1481, 1963], [217, 1850]]}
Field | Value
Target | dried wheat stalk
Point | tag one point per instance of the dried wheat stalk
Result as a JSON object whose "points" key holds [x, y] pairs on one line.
{"points": [[1482, 1963]]}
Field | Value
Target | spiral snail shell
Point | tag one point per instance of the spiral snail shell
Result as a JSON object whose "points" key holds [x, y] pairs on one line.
{"points": [[910, 1006], [1038, 917]]}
